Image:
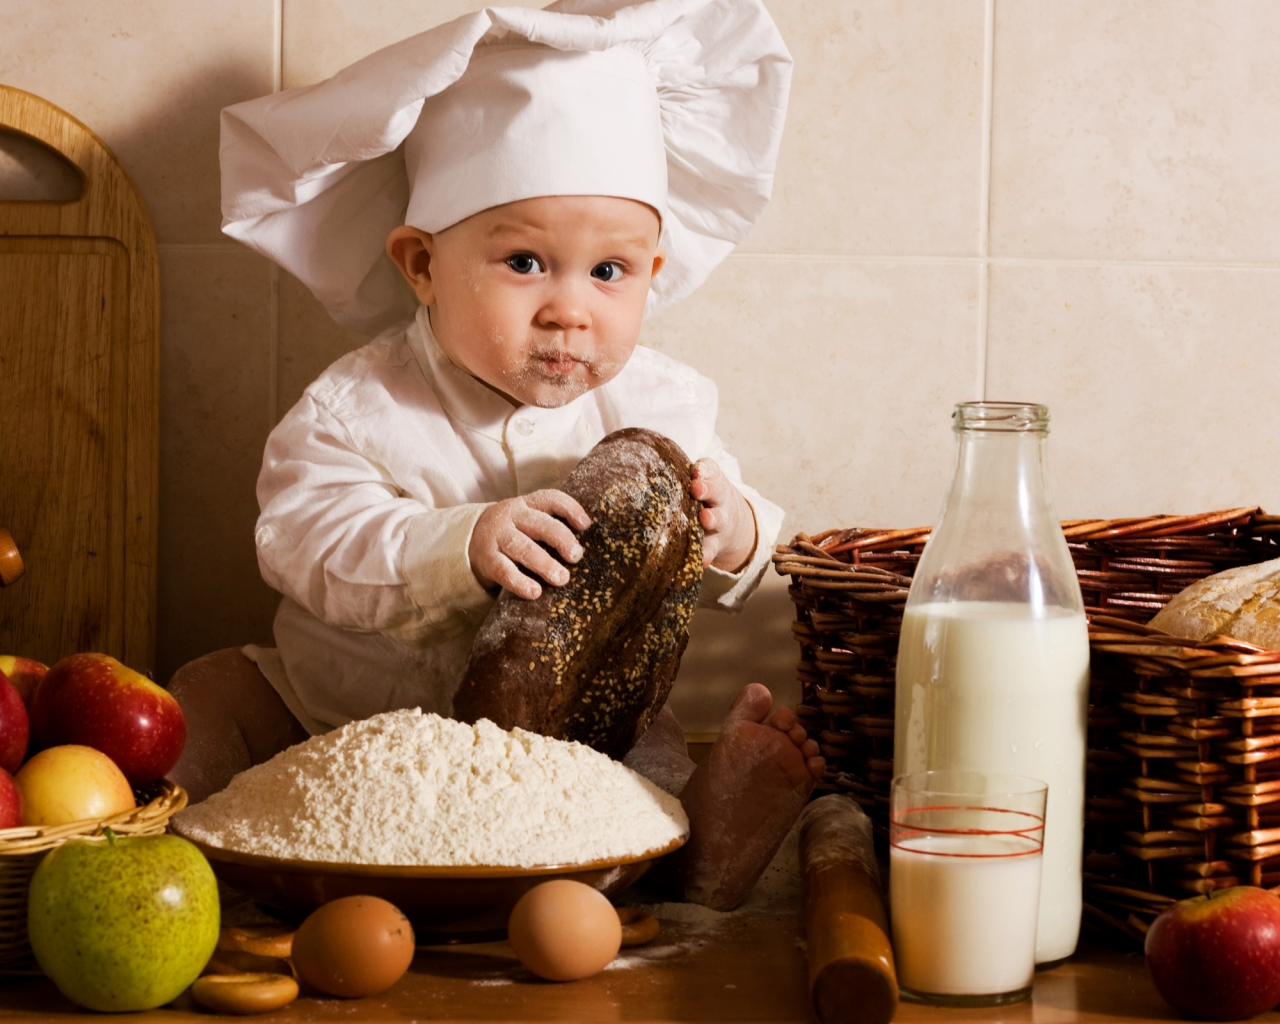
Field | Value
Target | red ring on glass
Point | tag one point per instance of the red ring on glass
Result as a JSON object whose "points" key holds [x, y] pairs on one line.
{"points": [[1022, 833]]}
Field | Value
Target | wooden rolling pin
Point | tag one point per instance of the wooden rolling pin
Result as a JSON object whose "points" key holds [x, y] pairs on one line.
{"points": [[851, 975]]}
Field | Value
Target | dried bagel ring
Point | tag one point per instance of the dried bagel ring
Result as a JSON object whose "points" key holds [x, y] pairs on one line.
{"points": [[260, 939], [638, 927], [244, 993], [235, 962]]}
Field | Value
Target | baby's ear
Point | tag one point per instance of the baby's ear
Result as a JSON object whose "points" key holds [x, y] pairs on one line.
{"points": [[659, 261], [410, 249]]}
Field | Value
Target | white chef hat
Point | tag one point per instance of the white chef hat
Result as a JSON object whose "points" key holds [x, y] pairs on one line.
{"points": [[675, 103]]}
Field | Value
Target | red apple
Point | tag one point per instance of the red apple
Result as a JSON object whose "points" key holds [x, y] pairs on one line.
{"points": [[24, 673], [92, 699], [10, 801], [15, 730], [1217, 957]]}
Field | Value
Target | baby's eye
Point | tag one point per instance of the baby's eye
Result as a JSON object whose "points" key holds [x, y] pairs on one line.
{"points": [[523, 263], [607, 271]]}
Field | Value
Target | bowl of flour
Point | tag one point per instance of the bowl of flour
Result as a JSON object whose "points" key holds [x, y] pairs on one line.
{"points": [[451, 822]]}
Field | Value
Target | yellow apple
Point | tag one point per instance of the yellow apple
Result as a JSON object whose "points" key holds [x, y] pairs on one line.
{"points": [[71, 783]]}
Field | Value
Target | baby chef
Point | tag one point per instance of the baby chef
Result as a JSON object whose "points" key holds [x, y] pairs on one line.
{"points": [[541, 180]]}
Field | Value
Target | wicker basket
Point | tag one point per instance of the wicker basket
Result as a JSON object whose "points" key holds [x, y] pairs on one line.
{"points": [[1174, 729], [21, 849], [1184, 768]]}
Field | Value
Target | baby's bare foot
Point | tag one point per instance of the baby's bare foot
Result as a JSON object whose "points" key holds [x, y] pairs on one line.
{"points": [[743, 799]]}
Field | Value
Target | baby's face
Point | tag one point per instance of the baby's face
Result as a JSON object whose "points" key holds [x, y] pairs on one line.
{"points": [[541, 299]]}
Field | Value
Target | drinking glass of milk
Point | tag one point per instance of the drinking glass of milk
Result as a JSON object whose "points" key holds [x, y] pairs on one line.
{"points": [[993, 660], [965, 858]]}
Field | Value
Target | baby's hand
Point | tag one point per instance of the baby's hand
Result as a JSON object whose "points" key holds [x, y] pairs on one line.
{"points": [[728, 524], [506, 535]]}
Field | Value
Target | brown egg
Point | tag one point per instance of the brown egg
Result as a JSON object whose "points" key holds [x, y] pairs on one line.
{"points": [[354, 946], [563, 930]]}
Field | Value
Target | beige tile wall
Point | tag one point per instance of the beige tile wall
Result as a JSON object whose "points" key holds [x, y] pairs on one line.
{"points": [[1071, 201]]}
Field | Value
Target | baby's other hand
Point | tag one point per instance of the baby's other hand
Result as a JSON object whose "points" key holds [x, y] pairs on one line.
{"points": [[728, 524], [506, 536]]}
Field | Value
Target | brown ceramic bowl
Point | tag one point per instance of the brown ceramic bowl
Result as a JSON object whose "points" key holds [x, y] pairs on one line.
{"points": [[445, 904]]}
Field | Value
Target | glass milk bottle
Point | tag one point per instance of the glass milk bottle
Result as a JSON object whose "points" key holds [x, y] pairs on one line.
{"points": [[993, 662]]}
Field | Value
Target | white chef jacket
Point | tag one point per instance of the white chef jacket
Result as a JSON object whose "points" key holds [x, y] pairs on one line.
{"points": [[372, 484]]}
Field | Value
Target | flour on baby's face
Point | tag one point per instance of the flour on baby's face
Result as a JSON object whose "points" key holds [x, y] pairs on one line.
{"points": [[542, 299], [553, 375]]}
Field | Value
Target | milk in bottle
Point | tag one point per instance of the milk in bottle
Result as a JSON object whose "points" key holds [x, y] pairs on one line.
{"points": [[993, 660]]}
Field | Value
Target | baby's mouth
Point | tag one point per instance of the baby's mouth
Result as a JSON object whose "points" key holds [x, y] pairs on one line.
{"points": [[559, 364]]}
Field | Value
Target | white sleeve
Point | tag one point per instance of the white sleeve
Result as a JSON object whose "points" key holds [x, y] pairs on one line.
{"points": [[730, 590], [340, 538]]}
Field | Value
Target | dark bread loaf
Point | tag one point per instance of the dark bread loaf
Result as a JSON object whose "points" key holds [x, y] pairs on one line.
{"points": [[594, 660]]}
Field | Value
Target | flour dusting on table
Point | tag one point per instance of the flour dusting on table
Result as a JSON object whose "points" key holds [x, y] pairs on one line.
{"points": [[408, 788]]}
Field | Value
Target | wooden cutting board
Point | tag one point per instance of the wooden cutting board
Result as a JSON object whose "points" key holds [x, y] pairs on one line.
{"points": [[79, 386]]}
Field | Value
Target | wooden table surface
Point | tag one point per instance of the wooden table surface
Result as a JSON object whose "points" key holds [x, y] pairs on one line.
{"points": [[740, 967]]}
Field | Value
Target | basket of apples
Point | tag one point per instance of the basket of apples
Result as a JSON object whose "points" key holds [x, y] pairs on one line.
{"points": [[84, 748]]}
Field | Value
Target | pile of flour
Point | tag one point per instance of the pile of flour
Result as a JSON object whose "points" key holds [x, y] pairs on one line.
{"points": [[408, 788]]}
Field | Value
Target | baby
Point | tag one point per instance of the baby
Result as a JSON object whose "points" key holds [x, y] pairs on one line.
{"points": [[563, 172]]}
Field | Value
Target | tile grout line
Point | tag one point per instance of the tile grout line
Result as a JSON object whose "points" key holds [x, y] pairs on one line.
{"points": [[273, 340], [273, 349], [1000, 261], [1092, 261], [277, 46], [984, 195]]}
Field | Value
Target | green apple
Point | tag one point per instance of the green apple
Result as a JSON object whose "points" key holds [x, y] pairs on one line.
{"points": [[123, 923]]}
